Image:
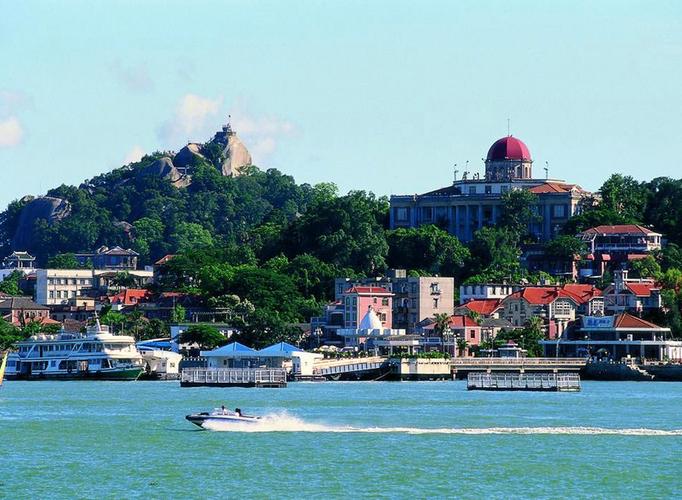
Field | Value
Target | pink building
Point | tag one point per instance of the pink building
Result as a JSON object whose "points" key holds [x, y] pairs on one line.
{"points": [[358, 299]]}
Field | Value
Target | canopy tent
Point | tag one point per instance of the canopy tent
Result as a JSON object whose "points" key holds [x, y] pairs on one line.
{"points": [[233, 350]]}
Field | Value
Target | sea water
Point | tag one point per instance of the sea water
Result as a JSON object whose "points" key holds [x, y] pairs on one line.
{"points": [[358, 439]]}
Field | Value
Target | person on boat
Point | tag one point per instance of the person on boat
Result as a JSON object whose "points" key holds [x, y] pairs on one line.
{"points": [[238, 411], [223, 409]]}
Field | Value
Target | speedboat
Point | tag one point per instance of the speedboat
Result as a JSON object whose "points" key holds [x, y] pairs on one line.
{"points": [[221, 415]]}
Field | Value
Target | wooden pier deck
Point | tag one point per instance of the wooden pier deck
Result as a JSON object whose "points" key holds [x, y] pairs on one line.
{"points": [[233, 377], [549, 382]]}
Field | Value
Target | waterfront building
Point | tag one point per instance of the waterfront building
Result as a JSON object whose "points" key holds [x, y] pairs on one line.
{"points": [[357, 300], [632, 295], [415, 298], [615, 337], [475, 201], [369, 329], [460, 328], [554, 306], [616, 246]]}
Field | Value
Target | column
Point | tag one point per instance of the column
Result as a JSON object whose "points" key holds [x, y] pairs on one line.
{"points": [[458, 232], [480, 216], [467, 223], [494, 214], [546, 233]]}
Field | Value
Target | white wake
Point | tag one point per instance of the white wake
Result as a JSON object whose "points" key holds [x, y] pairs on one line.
{"points": [[283, 422]]}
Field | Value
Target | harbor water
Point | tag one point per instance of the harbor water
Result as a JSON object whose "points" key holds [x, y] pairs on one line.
{"points": [[361, 439]]}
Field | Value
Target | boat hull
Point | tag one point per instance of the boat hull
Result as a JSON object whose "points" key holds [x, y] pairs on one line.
{"points": [[201, 419], [125, 374]]}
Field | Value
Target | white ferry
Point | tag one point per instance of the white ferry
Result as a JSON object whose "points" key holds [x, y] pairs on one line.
{"points": [[96, 354]]}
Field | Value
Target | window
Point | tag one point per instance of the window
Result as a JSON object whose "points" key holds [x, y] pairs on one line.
{"points": [[401, 214], [488, 190], [384, 301], [472, 334], [435, 303], [472, 189], [374, 300], [558, 210], [52, 294], [427, 213]]}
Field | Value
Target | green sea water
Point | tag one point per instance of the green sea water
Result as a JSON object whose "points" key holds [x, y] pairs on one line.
{"points": [[322, 440]]}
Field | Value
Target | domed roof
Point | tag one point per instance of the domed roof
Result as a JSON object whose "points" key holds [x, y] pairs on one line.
{"points": [[508, 148], [370, 322]]}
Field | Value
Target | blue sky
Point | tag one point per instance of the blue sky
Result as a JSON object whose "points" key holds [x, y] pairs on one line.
{"points": [[377, 95]]}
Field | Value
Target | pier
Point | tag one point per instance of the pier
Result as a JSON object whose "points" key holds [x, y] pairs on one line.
{"points": [[548, 382], [461, 367], [351, 367], [233, 377]]}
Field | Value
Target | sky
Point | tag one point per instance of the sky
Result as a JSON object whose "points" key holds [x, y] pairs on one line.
{"points": [[383, 96]]}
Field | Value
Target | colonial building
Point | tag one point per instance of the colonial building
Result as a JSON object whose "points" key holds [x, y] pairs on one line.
{"points": [[475, 201], [414, 299], [22, 310], [632, 295], [115, 259], [615, 246], [554, 306]]}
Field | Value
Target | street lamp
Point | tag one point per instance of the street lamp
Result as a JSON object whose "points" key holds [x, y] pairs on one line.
{"points": [[318, 334]]}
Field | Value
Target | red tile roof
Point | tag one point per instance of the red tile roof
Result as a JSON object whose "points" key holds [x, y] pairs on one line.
{"points": [[130, 296], [582, 293], [461, 321], [164, 259], [542, 295], [484, 307], [552, 187], [620, 229], [626, 320], [368, 290], [641, 289]]}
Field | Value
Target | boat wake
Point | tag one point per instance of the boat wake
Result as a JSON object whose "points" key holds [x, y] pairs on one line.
{"points": [[282, 422]]}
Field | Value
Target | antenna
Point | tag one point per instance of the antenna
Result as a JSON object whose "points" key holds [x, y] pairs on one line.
{"points": [[546, 170], [455, 171], [508, 127]]}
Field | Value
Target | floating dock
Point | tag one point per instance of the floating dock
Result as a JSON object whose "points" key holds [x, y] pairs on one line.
{"points": [[549, 382], [233, 377]]}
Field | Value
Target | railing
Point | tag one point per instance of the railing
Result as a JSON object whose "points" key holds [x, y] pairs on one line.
{"points": [[509, 381], [348, 365], [518, 361], [234, 376]]}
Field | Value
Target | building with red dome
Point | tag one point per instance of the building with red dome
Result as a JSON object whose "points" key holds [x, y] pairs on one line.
{"points": [[475, 200]]}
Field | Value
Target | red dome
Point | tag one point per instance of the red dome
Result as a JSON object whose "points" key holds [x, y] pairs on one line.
{"points": [[508, 148]]}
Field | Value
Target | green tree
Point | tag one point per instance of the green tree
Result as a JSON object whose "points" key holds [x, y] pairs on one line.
{"points": [[190, 236], [519, 212], [9, 335], [10, 285], [495, 254], [625, 196], [63, 261], [114, 319], [154, 329], [206, 336], [647, 268], [565, 247], [178, 314]]}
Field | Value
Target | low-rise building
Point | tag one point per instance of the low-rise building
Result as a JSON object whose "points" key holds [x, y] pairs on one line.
{"points": [[22, 310], [632, 295], [115, 258], [615, 246], [486, 291], [553, 305], [615, 337]]}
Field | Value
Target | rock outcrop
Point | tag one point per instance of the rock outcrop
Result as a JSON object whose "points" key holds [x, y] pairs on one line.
{"points": [[185, 157], [235, 154], [47, 208], [164, 168]]}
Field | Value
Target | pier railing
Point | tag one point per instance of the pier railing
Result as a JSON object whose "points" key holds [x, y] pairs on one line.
{"points": [[526, 382], [578, 362], [234, 376]]}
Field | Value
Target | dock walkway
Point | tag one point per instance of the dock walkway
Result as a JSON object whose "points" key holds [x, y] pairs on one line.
{"points": [[551, 382], [233, 377]]}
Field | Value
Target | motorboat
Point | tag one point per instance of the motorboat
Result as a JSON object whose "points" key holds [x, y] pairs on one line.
{"points": [[223, 416]]}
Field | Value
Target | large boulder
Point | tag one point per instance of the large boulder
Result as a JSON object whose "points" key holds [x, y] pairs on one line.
{"points": [[185, 157], [164, 168], [235, 154], [47, 208]]}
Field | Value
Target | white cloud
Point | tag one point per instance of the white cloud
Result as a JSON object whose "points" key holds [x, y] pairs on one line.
{"points": [[11, 132], [260, 134], [135, 78], [193, 120], [134, 155]]}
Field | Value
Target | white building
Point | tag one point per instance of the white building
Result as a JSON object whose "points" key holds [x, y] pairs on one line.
{"points": [[484, 291], [57, 286]]}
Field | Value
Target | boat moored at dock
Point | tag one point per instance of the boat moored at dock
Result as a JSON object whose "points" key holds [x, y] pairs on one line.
{"points": [[95, 354]]}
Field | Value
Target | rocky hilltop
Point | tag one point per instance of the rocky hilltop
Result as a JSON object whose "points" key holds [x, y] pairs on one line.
{"points": [[225, 152]]}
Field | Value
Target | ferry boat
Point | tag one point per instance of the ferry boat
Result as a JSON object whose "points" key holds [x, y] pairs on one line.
{"points": [[96, 354]]}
